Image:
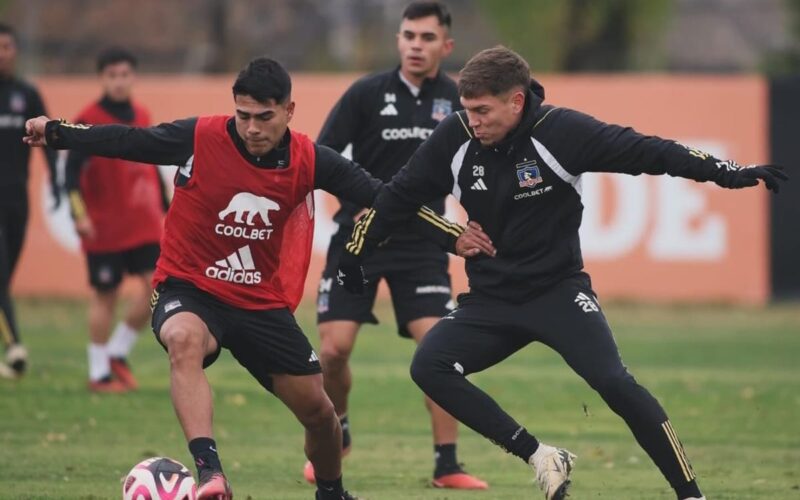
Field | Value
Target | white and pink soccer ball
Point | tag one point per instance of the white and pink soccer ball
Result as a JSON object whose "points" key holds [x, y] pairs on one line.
{"points": [[159, 478]]}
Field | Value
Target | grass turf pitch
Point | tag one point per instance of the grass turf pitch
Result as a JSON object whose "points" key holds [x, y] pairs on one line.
{"points": [[729, 379]]}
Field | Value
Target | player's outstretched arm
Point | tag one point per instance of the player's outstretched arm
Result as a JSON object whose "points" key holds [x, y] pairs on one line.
{"points": [[465, 242], [600, 147], [166, 144], [350, 183]]}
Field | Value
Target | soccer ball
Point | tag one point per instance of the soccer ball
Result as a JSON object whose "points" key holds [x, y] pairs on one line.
{"points": [[159, 478]]}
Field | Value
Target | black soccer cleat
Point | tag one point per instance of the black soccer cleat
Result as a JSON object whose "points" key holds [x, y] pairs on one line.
{"points": [[345, 496]]}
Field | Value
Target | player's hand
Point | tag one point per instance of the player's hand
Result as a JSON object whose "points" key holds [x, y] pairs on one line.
{"points": [[474, 241], [350, 273], [749, 176], [85, 228], [34, 131]]}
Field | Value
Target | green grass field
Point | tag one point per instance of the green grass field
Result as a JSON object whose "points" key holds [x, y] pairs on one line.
{"points": [[729, 378]]}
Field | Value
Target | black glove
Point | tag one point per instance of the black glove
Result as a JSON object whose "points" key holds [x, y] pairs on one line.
{"points": [[737, 177], [350, 274]]}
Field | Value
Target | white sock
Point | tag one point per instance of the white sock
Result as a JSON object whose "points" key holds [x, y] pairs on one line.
{"points": [[99, 364], [540, 451], [122, 340]]}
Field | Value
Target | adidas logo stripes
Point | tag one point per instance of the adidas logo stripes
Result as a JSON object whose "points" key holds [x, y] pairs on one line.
{"points": [[389, 110], [479, 185], [240, 259], [237, 267]]}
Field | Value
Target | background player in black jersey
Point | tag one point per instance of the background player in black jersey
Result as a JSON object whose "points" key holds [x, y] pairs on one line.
{"points": [[19, 101], [384, 117], [515, 164]]}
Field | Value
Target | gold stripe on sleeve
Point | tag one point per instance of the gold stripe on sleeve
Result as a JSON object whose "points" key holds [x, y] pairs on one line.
{"points": [[77, 205]]}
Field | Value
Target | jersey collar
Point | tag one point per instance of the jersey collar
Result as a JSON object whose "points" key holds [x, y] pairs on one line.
{"points": [[276, 158], [414, 90]]}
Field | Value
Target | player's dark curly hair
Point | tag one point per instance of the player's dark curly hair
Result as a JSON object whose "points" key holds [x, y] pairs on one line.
{"points": [[6, 29], [493, 72], [115, 55], [264, 80], [417, 10]]}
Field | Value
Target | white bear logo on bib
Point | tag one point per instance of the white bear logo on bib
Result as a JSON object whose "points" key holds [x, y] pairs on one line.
{"points": [[250, 205]]}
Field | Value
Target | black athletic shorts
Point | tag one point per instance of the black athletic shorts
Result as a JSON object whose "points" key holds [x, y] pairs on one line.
{"points": [[482, 331], [266, 342], [419, 284], [106, 269]]}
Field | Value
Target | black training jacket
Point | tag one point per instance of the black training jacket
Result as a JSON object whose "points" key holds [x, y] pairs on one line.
{"points": [[385, 123], [19, 101], [526, 190]]}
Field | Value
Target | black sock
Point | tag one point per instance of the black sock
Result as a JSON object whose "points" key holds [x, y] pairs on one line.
{"points": [[204, 451], [330, 490], [688, 490], [521, 444], [444, 457], [345, 423]]}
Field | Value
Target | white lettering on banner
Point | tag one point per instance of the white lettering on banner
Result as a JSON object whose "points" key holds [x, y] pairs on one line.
{"points": [[685, 229], [628, 224], [668, 215], [394, 134]]}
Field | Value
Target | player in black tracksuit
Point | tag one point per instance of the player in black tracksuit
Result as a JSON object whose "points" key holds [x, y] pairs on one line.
{"points": [[385, 117], [385, 121], [521, 181], [19, 101]]}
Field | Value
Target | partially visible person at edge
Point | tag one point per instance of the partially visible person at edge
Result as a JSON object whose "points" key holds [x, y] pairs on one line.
{"points": [[515, 164], [118, 208], [19, 101], [235, 253], [384, 117]]}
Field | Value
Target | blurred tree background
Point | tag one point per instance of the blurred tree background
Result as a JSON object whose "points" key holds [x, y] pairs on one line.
{"points": [[583, 35], [213, 36], [786, 60]]}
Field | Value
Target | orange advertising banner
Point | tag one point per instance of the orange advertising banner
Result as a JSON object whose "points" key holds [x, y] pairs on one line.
{"points": [[644, 238]]}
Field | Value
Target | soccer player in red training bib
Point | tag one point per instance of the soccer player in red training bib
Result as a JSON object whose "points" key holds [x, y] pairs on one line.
{"points": [[235, 253], [118, 208]]}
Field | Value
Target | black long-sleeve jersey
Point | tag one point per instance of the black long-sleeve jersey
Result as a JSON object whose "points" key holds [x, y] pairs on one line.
{"points": [[19, 101], [173, 144], [526, 190], [385, 121]]}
